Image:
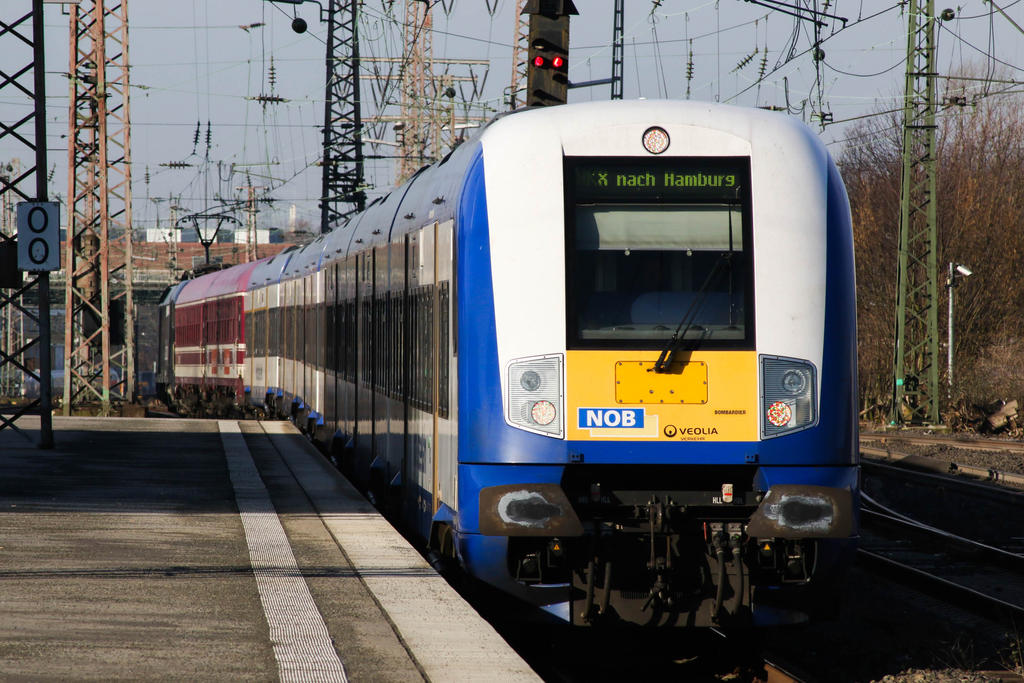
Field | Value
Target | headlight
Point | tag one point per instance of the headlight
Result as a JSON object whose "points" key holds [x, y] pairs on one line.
{"points": [[543, 412], [794, 381], [803, 511], [788, 396], [527, 510], [534, 399], [529, 380]]}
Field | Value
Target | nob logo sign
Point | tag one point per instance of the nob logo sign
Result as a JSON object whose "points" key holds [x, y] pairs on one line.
{"points": [[38, 236], [611, 418]]}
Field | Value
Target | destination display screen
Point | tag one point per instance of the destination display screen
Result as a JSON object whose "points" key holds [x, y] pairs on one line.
{"points": [[664, 179]]}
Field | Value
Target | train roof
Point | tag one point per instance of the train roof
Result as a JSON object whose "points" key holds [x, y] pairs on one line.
{"points": [[375, 226], [306, 260], [580, 124], [171, 293], [233, 280], [432, 194], [269, 271], [339, 239]]}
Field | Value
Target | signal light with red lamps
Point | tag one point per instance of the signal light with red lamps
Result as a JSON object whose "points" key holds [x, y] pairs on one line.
{"points": [[556, 62]]}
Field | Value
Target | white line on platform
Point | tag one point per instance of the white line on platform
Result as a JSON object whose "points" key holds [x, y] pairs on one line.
{"points": [[302, 645], [449, 641]]}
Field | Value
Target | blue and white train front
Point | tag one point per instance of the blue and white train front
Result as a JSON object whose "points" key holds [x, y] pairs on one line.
{"points": [[656, 362]]}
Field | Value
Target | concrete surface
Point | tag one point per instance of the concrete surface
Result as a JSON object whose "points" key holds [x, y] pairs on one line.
{"points": [[123, 556]]}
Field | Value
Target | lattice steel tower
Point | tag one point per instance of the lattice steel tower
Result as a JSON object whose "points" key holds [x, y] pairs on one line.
{"points": [[417, 75], [99, 364], [617, 45], [23, 130], [520, 48], [916, 365], [344, 190]]}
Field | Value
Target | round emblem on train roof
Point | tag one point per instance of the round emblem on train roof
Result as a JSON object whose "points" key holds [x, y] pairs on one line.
{"points": [[655, 140]]}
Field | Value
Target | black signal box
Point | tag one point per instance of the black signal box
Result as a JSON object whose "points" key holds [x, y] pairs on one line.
{"points": [[547, 74]]}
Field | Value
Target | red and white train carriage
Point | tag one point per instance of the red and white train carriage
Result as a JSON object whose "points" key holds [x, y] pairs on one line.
{"points": [[209, 338]]}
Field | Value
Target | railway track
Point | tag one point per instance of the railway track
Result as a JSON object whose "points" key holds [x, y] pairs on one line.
{"points": [[564, 655], [940, 465], [979, 577], [957, 539], [940, 477], [967, 443]]}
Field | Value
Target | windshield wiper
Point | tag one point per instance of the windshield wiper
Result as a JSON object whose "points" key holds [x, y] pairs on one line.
{"points": [[664, 361]]}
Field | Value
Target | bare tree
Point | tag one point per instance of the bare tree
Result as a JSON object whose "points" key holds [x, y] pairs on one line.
{"points": [[980, 223]]}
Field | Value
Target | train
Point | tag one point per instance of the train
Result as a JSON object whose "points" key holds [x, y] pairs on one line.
{"points": [[601, 356]]}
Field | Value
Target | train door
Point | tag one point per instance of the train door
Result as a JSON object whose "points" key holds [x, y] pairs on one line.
{"points": [[431, 466], [262, 350], [394, 362], [241, 342], [247, 361], [305, 342], [418, 431], [347, 349], [381, 390], [321, 339], [330, 347], [285, 346], [387, 441], [302, 370], [446, 456], [364, 395], [313, 301], [274, 361], [292, 335]]}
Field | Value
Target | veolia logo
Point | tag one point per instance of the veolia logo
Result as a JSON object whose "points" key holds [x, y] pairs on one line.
{"points": [[611, 418]]}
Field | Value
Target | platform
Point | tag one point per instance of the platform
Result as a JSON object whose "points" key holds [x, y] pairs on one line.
{"points": [[213, 550]]}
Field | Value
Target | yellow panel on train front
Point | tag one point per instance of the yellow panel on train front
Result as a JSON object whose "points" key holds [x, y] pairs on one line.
{"points": [[706, 396], [637, 382]]}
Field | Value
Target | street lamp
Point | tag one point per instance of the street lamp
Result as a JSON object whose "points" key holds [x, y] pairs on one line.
{"points": [[956, 271]]}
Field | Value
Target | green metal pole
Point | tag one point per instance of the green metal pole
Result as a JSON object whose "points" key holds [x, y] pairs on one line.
{"points": [[915, 393]]}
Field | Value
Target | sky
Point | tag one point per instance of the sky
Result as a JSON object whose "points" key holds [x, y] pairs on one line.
{"points": [[200, 62]]}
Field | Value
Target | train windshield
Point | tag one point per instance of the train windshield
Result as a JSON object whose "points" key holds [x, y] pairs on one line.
{"points": [[656, 246]]}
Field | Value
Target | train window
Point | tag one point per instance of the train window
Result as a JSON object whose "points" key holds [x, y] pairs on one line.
{"points": [[275, 330], [271, 328], [365, 360], [343, 342], [321, 331], [656, 245], [309, 358], [261, 332], [377, 342], [288, 338], [350, 340], [387, 360], [399, 349], [426, 345], [250, 336], [329, 340]]}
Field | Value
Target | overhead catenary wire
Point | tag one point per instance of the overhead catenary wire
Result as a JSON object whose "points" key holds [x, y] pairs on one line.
{"points": [[654, 59]]}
